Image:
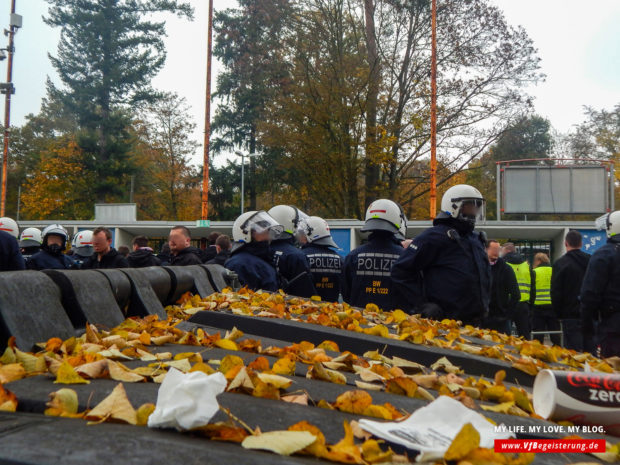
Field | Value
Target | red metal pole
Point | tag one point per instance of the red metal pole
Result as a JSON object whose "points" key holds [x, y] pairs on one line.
{"points": [[205, 170], [433, 193], [7, 114]]}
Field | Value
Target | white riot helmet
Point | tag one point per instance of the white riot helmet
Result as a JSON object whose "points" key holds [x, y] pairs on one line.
{"points": [[317, 231], [288, 217], [457, 197], [9, 225], [257, 222], [30, 237], [383, 215], [401, 235], [56, 230], [613, 223], [83, 243]]}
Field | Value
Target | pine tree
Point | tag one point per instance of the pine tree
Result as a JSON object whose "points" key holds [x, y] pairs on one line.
{"points": [[108, 53]]}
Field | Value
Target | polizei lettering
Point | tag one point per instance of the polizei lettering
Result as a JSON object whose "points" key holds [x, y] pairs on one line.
{"points": [[374, 264], [324, 262], [378, 264]]}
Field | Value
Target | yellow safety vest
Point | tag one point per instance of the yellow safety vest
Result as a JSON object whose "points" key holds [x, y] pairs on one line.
{"points": [[524, 279], [543, 285]]}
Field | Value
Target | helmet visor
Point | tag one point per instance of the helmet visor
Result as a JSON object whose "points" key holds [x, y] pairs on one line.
{"points": [[473, 209], [261, 223]]}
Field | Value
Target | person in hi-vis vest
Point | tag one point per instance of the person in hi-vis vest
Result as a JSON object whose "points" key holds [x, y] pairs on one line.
{"points": [[543, 316]]}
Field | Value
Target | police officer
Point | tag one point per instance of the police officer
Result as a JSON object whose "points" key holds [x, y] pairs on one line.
{"points": [[51, 256], [9, 225], [10, 257], [445, 272], [600, 293], [325, 264], [30, 242], [366, 271], [82, 246], [522, 313], [251, 257], [290, 262]]}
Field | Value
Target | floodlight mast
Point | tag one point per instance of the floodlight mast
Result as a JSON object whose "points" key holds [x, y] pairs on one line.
{"points": [[7, 89]]}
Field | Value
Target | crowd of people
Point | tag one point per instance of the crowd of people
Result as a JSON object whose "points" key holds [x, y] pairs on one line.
{"points": [[451, 270]]}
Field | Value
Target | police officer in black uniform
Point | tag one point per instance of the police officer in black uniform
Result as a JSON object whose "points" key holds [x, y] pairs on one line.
{"points": [[600, 293], [251, 257], [445, 272], [290, 262], [366, 271], [51, 256], [325, 264]]}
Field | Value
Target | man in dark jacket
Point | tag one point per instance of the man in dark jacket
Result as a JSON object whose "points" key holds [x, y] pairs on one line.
{"points": [[142, 255], [445, 272], [10, 257], [600, 293], [183, 253], [105, 255], [525, 280], [222, 246], [211, 251], [505, 293], [566, 281], [51, 256]]}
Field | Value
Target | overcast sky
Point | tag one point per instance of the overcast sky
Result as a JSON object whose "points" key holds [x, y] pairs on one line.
{"points": [[579, 44]]}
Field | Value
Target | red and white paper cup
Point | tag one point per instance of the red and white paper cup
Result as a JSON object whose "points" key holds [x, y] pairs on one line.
{"points": [[591, 399]]}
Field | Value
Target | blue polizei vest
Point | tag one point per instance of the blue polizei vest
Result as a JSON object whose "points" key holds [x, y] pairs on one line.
{"points": [[366, 272], [326, 268]]}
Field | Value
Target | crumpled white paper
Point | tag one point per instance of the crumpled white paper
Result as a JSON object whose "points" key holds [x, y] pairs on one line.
{"points": [[187, 400], [432, 429]]}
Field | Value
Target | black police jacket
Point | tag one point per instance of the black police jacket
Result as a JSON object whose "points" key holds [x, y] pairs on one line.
{"points": [[253, 265], [10, 257], [292, 267], [142, 258], [366, 272], [220, 258], [446, 265], [112, 259], [188, 256], [326, 268], [566, 280], [600, 292], [43, 260], [505, 294]]}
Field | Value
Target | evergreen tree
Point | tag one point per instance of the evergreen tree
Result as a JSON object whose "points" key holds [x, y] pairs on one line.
{"points": [[108, 53]]}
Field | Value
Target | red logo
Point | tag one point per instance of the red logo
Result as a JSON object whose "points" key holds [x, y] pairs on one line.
{"points": [[593, 381]]}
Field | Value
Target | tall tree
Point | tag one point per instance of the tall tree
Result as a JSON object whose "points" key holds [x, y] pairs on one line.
{"points": [[109, 51], [483, 64], [318, 117], [165, 132], [61, 185], [249, 43], [374, 82]]}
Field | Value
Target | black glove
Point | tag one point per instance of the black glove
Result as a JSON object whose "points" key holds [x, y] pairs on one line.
{"points": [[431, 310]]}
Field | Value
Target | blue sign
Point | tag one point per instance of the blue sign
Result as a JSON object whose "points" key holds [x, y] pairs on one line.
{"points": [[342, 237], [592, 240]]}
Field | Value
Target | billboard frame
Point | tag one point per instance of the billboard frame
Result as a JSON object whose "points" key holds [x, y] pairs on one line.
{"points": [[608, 165]]}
